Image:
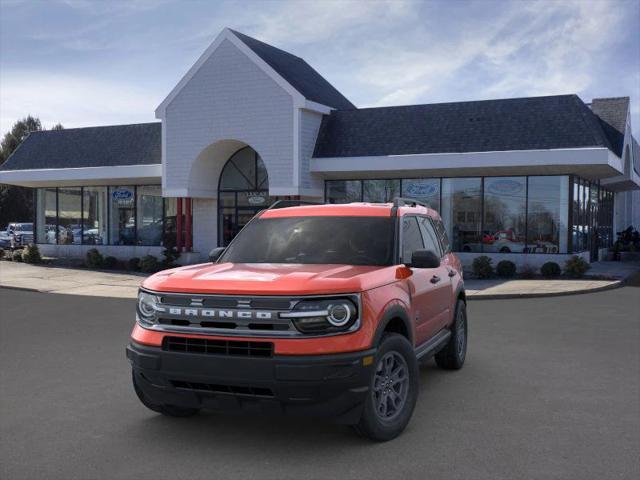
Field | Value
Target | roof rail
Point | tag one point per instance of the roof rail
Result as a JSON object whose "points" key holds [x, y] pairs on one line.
{"points": [[408, 202], [290, 203]]}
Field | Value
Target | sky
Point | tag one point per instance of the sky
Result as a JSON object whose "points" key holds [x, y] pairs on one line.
{"points": [[84, 63]]}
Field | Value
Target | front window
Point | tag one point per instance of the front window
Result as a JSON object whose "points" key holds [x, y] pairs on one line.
{"points": [[315, 240], [122, 221]]}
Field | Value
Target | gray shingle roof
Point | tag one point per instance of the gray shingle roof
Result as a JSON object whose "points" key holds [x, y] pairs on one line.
{"points": [[137, 144], [613, 115], [534, 123], [298, 73]]}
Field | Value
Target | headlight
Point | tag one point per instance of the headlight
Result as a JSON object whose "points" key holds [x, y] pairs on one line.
{"points": [[147, 307], [323, 315]]}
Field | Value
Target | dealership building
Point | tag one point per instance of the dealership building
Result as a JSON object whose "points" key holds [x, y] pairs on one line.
{"points": [[528, 179]]}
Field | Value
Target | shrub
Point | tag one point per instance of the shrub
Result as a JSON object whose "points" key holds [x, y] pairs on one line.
{"points": [[1, 253], [527, 271], [134, 264], [17, 256], [94, 258], [550, 270], [482, 267], [576, 267], [149, 264], [506, 269], [110, 263], [31, 254], [171, 254]]}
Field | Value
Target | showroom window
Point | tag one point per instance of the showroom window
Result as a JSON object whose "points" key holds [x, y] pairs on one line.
{"points": [[46, 215], [500, 214], [122, 218], [427, 190], [94, 208], [505, 216], [69, 216], [344, 191], [380, 191], [149, 215], [462, 212], [122, 215], [547, 214]]}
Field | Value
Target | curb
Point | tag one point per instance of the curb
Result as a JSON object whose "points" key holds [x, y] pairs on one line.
{"points": [[510, 296], [24, 289]]}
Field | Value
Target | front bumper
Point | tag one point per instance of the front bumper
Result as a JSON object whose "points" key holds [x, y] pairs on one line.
{"points": [[320, 385]]}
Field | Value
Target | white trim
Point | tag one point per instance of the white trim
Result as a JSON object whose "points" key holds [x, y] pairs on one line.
{"points": [[317, 107], [227, 34], [83, 175], [469, 160], [297, 113]]}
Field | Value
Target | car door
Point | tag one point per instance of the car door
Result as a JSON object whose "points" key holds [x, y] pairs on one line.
{"points": [[443, 285], [424, 302]]}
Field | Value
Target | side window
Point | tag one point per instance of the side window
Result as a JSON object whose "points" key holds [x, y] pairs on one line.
{"points": [[411, 238], [442, 234], [429, 235]]}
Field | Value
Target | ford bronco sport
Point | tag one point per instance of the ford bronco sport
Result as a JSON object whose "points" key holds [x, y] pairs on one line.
{"points": [[319, 310]]}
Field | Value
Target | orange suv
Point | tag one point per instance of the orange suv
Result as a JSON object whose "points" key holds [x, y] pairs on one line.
{"points": [[320, 310]]}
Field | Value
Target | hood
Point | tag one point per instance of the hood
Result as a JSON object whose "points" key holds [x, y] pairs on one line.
{"points": [[270, 279]]}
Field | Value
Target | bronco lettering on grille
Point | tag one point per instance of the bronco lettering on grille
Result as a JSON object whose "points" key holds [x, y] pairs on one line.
{"points": [[210, 313]]}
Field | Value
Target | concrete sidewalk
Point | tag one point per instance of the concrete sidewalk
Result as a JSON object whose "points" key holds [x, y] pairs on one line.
{"points": [[78, 281]]}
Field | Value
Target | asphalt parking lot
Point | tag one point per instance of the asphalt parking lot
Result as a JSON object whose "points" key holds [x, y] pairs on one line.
{"points": [[551, 389]]}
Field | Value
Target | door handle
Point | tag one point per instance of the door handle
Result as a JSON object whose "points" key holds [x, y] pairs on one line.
{"points": [[435, 279]]}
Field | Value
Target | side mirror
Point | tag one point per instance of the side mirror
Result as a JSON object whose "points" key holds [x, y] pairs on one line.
{"points": [[424, 259], [214, 254]]}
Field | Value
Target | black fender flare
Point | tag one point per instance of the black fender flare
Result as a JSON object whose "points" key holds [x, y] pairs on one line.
{"points": [[393, 311]]}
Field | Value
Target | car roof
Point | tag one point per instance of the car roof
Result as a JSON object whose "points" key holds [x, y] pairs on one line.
{"points": [[355, 209]]}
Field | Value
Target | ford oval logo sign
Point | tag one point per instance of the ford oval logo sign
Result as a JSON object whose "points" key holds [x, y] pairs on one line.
{"points": [[505, 187], [122, 194], [422, 190]]}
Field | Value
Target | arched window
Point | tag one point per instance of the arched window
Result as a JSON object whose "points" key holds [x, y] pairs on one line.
{"points": [[243, 191]]}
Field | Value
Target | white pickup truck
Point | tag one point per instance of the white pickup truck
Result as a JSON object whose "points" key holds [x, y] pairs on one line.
{"points": [[16, 235]]}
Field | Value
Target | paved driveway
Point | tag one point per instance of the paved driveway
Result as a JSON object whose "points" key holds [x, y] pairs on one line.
{"points": [[551, 390]]}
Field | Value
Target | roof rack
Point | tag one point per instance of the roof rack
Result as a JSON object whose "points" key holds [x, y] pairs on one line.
{"points": [[408, 202], [290, 203]]}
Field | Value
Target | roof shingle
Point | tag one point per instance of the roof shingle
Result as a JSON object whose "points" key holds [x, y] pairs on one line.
{"points": [[534, 123], [298, 73], [137, 144]]}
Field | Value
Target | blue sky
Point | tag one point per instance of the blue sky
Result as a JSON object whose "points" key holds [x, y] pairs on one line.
{"points": [[82, 62]]}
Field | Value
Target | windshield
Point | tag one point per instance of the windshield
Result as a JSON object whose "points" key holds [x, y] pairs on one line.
{"points": [[314, 240]]}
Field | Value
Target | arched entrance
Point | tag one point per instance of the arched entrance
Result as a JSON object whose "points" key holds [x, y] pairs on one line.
{"points": [[242, 192]]}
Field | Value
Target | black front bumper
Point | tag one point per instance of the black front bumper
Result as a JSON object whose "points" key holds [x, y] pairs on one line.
{"points": [[320, 385]]}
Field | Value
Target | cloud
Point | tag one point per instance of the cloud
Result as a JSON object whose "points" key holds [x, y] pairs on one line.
{"points": [[72, 100]]}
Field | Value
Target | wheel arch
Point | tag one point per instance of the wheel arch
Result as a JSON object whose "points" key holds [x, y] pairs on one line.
{"points": [[397, 320]]}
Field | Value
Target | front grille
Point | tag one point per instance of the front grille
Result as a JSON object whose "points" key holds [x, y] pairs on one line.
{"points": [[218, 347], [229, 389]]}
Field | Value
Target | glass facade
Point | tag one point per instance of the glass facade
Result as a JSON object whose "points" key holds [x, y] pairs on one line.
{"points": [[69, 216], [510, 214], [118, 215], [243, 192], [461, 212], [592, 216]]}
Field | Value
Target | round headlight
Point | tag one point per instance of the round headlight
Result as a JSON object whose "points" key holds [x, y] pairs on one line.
{"points": [[146, 305], [339, 314]]}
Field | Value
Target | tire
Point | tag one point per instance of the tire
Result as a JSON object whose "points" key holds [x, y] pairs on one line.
{"points": [[505, 250], [168, 410], [452, 356], [375, 424]]}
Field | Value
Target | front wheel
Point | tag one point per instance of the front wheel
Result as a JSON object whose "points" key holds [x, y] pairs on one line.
{"points": [[452, 356], [393, 390], [168, 410]]}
